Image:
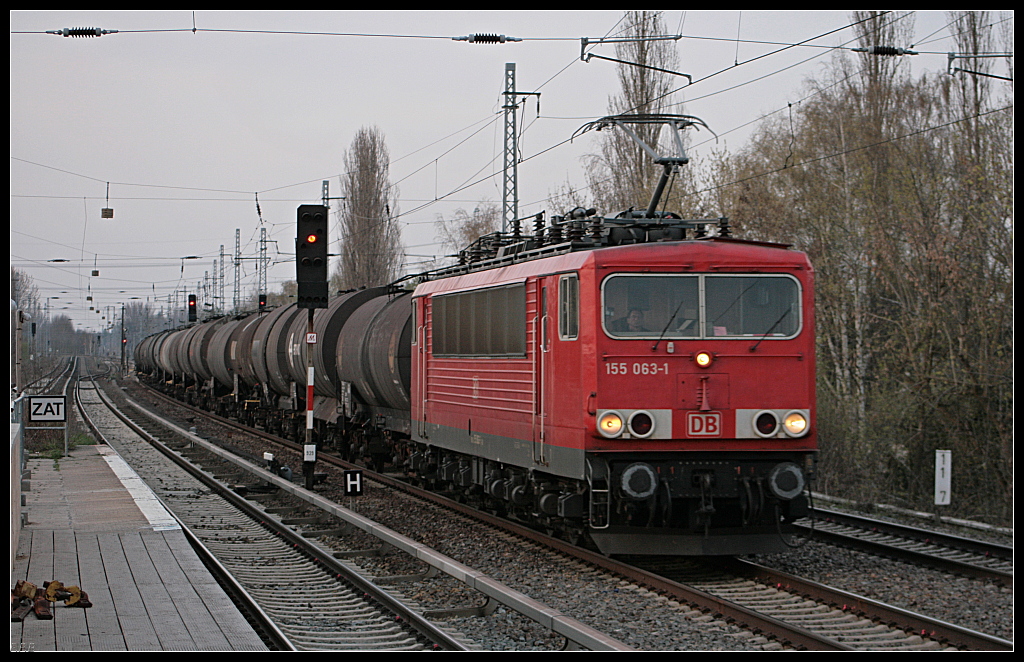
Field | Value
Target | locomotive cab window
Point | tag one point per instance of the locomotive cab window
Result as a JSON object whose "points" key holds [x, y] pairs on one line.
{"points": [[568, 307], [747, 306], [651, 306], [701, 306]]}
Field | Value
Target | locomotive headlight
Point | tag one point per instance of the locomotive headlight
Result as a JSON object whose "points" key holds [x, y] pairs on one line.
{"points": [[640, 424], [766, 424], [609, 424], [703, 359], [795, 424]]}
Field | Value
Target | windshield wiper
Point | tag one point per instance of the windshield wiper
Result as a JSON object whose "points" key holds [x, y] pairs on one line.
{"points": [[768, 332], [670, 320]]}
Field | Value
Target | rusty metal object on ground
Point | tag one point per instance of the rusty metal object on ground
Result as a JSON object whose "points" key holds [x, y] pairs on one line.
{"points": [[41, 606], [72, 596], [26, 596]]}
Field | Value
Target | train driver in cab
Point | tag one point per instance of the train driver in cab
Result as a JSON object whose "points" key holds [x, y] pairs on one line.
{"points": [[631, 323]]}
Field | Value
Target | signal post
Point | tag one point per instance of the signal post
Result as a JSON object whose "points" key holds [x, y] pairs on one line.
{"points": [[311, 277]]}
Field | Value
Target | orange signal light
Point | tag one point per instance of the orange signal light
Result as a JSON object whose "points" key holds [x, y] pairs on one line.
{"points": [[312, 239]]}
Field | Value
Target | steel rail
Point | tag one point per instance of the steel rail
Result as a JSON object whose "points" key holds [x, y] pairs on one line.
{"points": [[921, 557], [575, 632], [941, 631]]}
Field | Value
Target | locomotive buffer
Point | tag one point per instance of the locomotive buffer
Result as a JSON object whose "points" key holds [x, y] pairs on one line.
{"points": [[311, 276]]}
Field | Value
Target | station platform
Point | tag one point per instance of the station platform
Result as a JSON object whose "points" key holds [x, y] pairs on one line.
{"points": [[92, 523]]}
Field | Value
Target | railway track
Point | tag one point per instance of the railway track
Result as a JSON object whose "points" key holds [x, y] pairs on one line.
{"points": [[955, 554], [305, 601], [520, 533], [866, 625], [53, 381], [851, 621]]}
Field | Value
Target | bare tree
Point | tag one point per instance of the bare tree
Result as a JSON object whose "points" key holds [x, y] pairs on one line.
{"points": [[622, 175], [908, 220], [289, 292], [463, 228], [566, 197], [24, 292], [371, 242], [140, 320]]}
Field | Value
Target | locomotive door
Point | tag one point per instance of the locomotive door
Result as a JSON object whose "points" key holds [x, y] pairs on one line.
{"points": [[543, 391]]}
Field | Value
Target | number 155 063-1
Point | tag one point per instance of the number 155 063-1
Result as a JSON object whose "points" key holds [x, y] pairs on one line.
{"points": [[636, 368]]}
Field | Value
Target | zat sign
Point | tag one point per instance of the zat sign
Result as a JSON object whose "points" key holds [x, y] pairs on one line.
{"points": [[47, 409], [704, 424]]}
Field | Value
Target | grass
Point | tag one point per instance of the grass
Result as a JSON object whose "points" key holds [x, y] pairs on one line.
{"points": [[54, 450]]}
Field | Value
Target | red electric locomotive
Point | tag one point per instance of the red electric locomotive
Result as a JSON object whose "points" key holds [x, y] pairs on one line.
{"points": [[657, 397], [622, 383]]}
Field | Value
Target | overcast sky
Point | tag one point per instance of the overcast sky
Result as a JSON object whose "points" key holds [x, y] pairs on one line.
{"points": [[188, 128]]}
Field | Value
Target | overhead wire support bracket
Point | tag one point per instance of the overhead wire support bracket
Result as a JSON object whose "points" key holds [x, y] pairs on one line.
{"points": [[950, 69], [587, 41]]}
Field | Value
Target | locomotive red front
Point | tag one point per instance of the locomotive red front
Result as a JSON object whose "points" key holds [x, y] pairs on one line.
{"points": [[658, 397]]}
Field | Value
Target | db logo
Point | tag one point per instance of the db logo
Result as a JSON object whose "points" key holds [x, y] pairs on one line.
{"points": [[704, 424]]}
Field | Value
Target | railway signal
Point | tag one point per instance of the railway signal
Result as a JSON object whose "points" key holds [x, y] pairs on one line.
{"points": [[192, 316], [311, 256], [311, 276]]}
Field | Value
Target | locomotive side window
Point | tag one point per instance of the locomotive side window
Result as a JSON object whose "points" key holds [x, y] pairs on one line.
{"points": [[489, 322], [415, 321], [568, 307], [701, 306]]}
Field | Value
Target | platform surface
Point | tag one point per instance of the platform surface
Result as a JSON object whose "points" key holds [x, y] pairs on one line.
{"points": [[93, 524]]}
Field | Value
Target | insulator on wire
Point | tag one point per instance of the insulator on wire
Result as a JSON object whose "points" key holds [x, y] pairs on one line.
{"points": [[81, 32], [890, 51], [487, 39]]}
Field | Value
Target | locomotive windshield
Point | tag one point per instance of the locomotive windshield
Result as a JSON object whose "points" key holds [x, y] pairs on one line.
{"points": [[701, 306]]}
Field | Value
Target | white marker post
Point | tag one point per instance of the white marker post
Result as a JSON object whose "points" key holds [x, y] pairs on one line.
{"points": [[943, 477]]}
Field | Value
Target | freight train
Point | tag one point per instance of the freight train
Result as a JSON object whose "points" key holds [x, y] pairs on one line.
{"points": [[642, 382]]}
